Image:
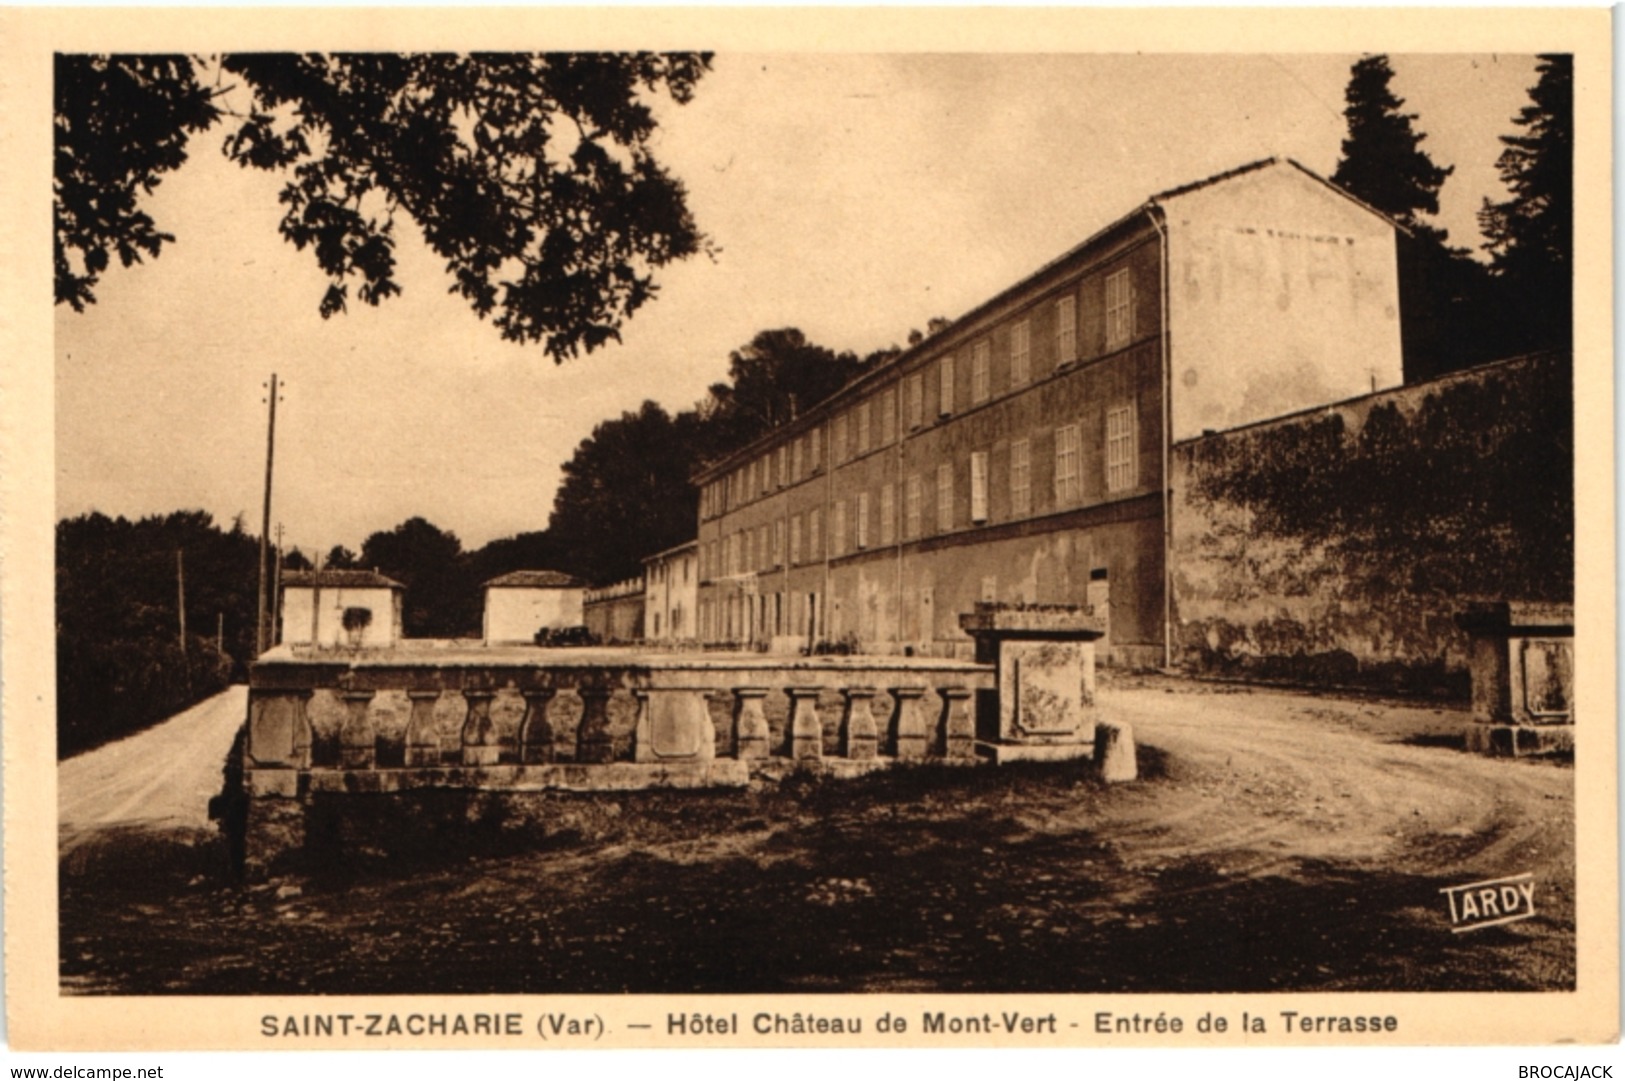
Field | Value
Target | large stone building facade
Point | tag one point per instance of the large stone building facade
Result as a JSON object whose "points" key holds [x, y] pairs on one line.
{"points": [[1020, 453]]}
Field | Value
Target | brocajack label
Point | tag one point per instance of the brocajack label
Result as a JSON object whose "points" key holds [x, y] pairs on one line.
{"points": [[1495, 901]]}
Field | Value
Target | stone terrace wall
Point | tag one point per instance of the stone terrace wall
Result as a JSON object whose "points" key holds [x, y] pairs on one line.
{"points": [[1337, 546]]}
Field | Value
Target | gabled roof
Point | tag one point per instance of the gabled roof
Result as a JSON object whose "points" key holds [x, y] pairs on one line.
{"points": [[341, 579], [534, 580], [1252, 166]]}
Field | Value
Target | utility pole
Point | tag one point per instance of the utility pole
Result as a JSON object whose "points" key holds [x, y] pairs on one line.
{"points": [[220, 633], [275, 609], [265, 524], [180, 607]]}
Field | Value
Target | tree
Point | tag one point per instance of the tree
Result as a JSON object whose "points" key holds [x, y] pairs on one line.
{"points": [[340, 558], [1383, 163], [120, 664], [440, 601], [627, 493], [773, 380], [532, 176], [1530, 236]]}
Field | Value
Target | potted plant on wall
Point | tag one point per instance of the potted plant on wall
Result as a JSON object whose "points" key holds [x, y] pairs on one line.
{"points": [[356, 621]]}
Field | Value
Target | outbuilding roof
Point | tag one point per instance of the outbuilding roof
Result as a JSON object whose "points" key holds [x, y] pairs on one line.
{"points": [[534, 580], [338, 579]]}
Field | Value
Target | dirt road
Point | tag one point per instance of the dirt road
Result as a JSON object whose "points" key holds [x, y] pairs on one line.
{"points": [[158, 779], [1275, 841]]}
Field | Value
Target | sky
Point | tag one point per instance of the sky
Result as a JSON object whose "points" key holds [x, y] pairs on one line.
{"points": [[853, 196]]}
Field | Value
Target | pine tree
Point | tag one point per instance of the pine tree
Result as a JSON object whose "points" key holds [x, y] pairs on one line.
{"points": [[1383, 163], [1530, 237]]}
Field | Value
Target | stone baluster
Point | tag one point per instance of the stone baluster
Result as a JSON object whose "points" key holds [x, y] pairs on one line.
{"points": [[806, 731], [422, 734], [858, 736], [481, 745], [594, 742], [358, 740], [535, 730], [750, 732], [958, 727], [908, 730]]}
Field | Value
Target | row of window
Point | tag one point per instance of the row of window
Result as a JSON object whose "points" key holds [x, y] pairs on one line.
{"points": [[764, 547], [873, 423]]}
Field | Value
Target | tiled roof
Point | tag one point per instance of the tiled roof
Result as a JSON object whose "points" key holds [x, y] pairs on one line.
{"points": [[331, 579], [534, 580]]}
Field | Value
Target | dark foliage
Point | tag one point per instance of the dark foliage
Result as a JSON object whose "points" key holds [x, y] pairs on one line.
{"points": [[1449, 313], [1440, 503], [626, 492], [532, 176], [119, 662], [1383, 162], [441, 600], [1530, 236]]}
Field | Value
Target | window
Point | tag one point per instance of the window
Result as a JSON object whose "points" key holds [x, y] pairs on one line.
{"points": [[863, 519], [888, 514], [980, 376], [837, 449], [945, 399], [1119, 309], [1068, 481], [1120, 458], [978, 486], [814, 441], [1021, 486], [1066, 329], [945, 497], [795, 460], [815, 534], [1020, 354], [795, 540], [911, 509], [778, 543], [837, 529], [865, 414], [888, 417], [916, 399], [783, 465]]}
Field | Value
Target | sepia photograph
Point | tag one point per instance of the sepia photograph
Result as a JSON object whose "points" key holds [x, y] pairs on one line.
{"points": [[770, 545]]}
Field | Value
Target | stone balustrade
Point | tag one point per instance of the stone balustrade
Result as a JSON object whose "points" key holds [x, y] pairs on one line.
{"points": [[430, 714], [505, 722]]}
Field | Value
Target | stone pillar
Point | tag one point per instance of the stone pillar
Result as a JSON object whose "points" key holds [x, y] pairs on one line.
{"points": [[594, 742], [1045, 658], [1114, 752], [806, 731], [1521, 660], [957, 729], [750, 734], [481, 745], [858, 737], [422, 734], [358, 740], [908, 730], [536, 731], [279, 734], [674, 724]]}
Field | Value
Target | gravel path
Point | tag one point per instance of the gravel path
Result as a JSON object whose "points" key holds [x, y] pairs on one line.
{"points": [[161, 777]]}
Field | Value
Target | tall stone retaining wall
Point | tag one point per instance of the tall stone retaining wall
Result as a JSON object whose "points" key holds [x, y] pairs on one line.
{"points": [[1338, 545]]}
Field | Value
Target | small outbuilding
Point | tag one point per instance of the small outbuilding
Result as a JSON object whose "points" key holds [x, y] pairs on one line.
{"points": [[357, 608], [520, 603]]}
